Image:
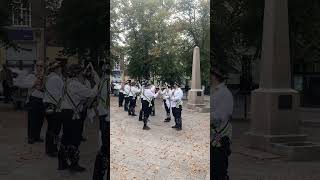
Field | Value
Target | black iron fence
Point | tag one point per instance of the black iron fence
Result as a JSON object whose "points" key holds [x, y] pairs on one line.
{"points": [[241, 104]]}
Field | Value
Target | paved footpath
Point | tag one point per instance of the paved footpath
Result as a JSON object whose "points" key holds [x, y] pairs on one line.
{"points": [[19, 160], [162, 153], [248, 164]]}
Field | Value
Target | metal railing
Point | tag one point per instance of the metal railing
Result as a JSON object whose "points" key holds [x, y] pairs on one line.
{"points": [[21, 64]]}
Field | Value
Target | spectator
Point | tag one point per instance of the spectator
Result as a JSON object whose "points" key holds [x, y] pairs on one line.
{"points": [[7, 82]]}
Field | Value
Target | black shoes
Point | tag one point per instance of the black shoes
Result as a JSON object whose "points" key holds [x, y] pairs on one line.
{"points": [[76, 168], [52, 154], [63, 163], [39, 140], [167, 120], [178, 128], [31, 141], [145, 127]]}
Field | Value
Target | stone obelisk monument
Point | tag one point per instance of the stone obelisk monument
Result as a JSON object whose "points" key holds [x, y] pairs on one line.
{"points": [[195, 96], [275, 104]]}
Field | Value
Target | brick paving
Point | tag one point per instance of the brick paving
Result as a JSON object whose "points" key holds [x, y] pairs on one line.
{"points": [[161, 152]]}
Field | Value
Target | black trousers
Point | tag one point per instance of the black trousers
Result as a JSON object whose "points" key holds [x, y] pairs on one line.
{"points": [[83, 116], [36, 115], [102, 161], [52, 135], [71, 129], [6, 90], [220, 160], [176, 111], [166, 107], [141, 111], [126, 103], [132, 105], [121, 98], [71, 138], [153, 108], [146, 111]]}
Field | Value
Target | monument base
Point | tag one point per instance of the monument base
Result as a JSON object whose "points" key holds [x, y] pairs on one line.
{"points": [[195, 98], [293, 147], [275, 125], [275, 111]]}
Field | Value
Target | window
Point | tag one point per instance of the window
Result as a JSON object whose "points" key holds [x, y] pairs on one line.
{"points": [[21, 13]]}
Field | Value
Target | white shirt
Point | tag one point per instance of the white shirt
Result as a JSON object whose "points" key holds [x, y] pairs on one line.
{"points": [[121, 88], [78, 92], [153, 88], [87, 83], [54, 85], [117, 87], [176, 97], [222, 107], [166, 94], [134, 91], [142, 91], [127, 89], [29, 82], [85, 102], [148, 95]]}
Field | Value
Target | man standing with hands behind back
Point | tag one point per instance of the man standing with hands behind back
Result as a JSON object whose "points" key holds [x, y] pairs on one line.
{"points": [[221, 129]]}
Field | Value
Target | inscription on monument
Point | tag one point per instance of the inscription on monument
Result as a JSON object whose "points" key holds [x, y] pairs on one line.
{"points": [[285, 102]]}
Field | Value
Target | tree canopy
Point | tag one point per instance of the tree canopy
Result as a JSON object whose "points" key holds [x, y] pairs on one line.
{"points": [[81, 26], [158, 37], [238, 25]]}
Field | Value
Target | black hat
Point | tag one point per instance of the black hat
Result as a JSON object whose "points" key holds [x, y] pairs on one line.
{"points": [[75, 69], [177, 84], [216, 71], [148, 84], [53, 65]]}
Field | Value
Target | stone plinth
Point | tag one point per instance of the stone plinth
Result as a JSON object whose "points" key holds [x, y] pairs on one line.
{"points": [[275, 111]]}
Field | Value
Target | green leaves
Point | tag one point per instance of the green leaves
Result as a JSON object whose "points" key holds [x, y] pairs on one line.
{"points": [[160, 36], [81, 27]]}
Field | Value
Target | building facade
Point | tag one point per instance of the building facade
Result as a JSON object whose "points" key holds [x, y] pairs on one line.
{"points": [[26, 29]]}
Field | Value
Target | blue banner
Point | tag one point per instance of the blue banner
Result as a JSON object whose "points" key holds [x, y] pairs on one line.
{"points": [[25, 35]]}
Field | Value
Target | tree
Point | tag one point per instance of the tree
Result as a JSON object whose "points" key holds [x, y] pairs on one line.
{"points": [[5, 6], [159, 40], [81, 26], [194, 17], [237, 28]]}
